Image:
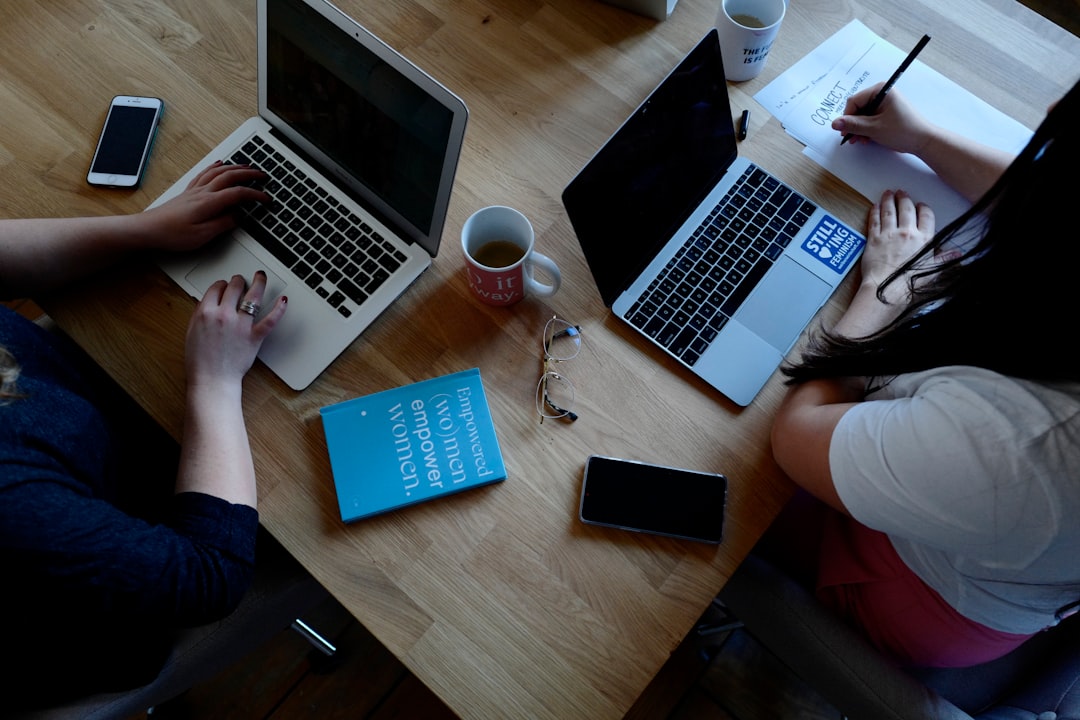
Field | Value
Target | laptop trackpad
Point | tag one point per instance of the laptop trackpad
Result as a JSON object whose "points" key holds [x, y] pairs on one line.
{"points": [[227, 257], [783, 303]]}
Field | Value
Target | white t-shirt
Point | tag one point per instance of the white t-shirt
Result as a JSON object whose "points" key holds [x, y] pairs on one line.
{"points": [[975, 478]]}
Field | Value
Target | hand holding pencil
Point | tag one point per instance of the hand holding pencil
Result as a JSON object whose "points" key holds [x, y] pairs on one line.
{"points": [[896, 125], [868, 103]]}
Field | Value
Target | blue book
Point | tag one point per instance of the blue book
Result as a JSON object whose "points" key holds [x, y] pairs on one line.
{"points": [[411, 443]]}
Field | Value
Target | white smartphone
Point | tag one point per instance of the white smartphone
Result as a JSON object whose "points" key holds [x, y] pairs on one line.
{"points": [[631, 495], [125, 142]]}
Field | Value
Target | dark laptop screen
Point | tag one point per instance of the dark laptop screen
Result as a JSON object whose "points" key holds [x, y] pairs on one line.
{"points": [[387, 132], [657, 168]]}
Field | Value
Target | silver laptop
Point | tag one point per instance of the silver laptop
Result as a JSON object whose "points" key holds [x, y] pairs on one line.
{"points": [[361, 147], [712, 258]]}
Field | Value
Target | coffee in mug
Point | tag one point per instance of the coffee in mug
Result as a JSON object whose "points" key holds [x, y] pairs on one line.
{"points": [[499, 257], [747, 20], [498, 254]]}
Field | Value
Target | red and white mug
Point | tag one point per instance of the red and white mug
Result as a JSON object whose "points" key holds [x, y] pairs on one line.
{"points": [[499, 257]]}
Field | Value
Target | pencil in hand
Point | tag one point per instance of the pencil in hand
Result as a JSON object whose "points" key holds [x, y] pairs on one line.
{"points": [[875, 102]]}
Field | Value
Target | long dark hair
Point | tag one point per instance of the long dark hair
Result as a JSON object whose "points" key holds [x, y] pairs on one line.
{"points": [[1009, 303]]}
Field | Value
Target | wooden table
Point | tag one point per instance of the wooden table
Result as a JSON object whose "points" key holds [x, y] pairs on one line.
{"points": [[498, 599]]}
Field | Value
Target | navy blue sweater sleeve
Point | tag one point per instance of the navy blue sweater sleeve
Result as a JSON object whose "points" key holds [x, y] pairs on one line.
{"points": [[62, 476], [190, 570], [102, 562]]}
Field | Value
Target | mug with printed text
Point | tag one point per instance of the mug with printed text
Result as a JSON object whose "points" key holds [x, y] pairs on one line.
{"points": [[747, 29], [499, 257]]}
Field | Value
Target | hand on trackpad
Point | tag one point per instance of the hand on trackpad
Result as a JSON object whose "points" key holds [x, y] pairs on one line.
{"points": [[231, 258]]}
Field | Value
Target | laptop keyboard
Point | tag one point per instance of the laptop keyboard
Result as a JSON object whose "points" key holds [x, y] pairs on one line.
{"points": [[696, 293], [332, 249]]}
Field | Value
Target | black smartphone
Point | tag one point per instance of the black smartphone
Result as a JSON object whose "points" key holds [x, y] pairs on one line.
{"points": [[125, 142], [638, 496]]}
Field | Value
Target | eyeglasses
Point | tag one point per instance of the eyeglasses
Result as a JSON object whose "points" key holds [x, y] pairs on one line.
{"points": [[554, 392]]}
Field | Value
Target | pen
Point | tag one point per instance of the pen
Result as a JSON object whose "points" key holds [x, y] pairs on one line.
{"points": [[871, 107], [744, 124]]}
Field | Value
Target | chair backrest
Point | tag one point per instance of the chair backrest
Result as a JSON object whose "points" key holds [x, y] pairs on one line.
{"points": [[1040, 676]]}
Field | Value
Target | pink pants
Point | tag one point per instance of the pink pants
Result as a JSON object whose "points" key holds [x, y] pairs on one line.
{"points": [[861, 577]]}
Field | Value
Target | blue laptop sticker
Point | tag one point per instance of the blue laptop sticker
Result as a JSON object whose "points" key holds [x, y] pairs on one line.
{"points": [[834, 244]]}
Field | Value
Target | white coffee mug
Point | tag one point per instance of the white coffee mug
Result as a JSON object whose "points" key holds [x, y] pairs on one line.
{"points": [[747, 29], [499, 257]]}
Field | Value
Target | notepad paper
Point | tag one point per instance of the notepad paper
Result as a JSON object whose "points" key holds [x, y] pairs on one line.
{"points": [[808, 96], [411, 443]]}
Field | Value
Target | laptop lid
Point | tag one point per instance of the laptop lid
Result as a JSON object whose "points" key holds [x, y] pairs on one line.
{"points": [[654, 171], [365, 115]]}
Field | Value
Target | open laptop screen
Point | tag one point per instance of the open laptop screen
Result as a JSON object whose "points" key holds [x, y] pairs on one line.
{"points": [[642, 185], [363, 114]]}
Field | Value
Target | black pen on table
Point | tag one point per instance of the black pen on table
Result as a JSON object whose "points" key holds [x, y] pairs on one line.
{"points": [[871, 107], [744, 124]]}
